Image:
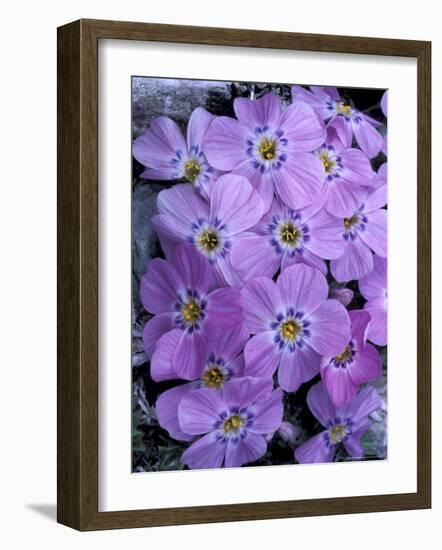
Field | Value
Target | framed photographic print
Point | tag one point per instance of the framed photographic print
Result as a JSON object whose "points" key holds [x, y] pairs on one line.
{"points": [[243, 275]]}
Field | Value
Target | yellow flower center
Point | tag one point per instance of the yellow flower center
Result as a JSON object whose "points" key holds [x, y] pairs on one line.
{"points": [[233, 423], [213, 377], [208, 240], [351, 222], [267, 149], [343, 108], [342, 357], [290, 330], [191, 311], [289, 234], [337, 433], [326, 161], [192, 170]]}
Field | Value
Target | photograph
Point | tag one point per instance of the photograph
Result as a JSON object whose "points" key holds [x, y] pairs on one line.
{"points": [[259, 274]]}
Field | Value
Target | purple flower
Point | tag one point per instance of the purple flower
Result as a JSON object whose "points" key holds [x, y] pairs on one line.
{"points": [[384, 103], [373, 288], [271, 148], [343, 295], [284, 237], [363, 232], [181, 295], [381, 176], [164, 150], [344, 424], [294, 324], [288, 432], [211, 228], [384, 108], [223, 360], [343, 117], [232, 422], [349, 177], [356, 364]]}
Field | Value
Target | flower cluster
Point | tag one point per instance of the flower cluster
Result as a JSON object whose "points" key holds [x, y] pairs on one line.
{"points": [[272, 213]]}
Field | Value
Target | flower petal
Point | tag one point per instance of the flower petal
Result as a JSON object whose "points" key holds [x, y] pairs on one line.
{"points": [[302, 128], [345, 198], [159, 286], [268, 414], [298, 367], [179, 208], [374, 285], [225, 143], [262, 301], [368, 138], [258, 113], [242, 392], [235, 203], [262, 355], [261, 182], [375, 235], [353, 444], [315, 451], [160, 144], [360, 320], [161, 366], [381, 176], [377, 330], [320, 404], [199, 411], [199, 123], [190, 355], [364, 403], [344, 129], [376, 199], [224, 311], [206, 452], [242, 451], [253, 256], [237, 366], [367, 365], [302, 287], [330, 328], [225, 274], [325, 236], [195, 270], [154, 329], [356, 167], [161, 174], [384, 103], [300, 180], [166, 408], [340, 387], [356, 262], [230, 343]]}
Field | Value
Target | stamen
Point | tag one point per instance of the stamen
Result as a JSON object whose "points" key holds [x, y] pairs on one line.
{"points": [[191, 311], [233, 423], [213, 377], [267, 149], [289, 234], [327, 162], [351, 222], [337, 433], [343, 108], [290, 330], [192, 169], [343, 356], [209, 240]]}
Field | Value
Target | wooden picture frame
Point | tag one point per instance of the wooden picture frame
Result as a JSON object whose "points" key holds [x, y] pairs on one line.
{"points": [[78, 274]]}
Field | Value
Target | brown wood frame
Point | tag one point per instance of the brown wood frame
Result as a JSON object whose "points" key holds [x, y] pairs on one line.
{"points": [[78, 269]]}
